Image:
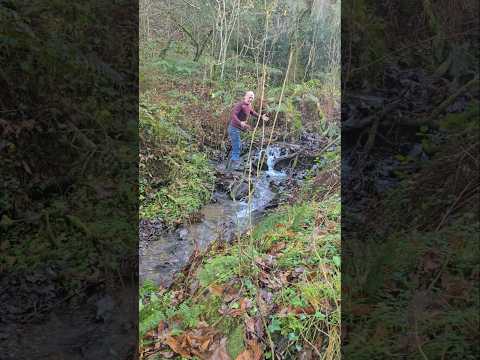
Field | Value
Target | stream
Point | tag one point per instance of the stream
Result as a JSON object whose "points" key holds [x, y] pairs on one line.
{"points": [[164, 253]]}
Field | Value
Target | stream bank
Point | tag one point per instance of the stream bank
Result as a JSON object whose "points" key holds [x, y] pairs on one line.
{"points": [[281, 168]]}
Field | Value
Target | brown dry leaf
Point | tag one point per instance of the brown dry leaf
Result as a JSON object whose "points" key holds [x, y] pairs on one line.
{"points": [[306, 354], [287, 310], [216, 289], [162, 330], [284, 311], [249, 325], [253, 352], [309, 310], [283, 277], [245, 303], [259, 329], [177, 297], [243, 306], [290, 234], [177, 346], [331, 225], [277, 247], [280, 226], [230, 293], [150, 335], [205, 345], [220, 352], [270, 281], [430, 265], [264, 277], [325, 305], [263, 306], [199, 342], [261, 262], [319, 342]]}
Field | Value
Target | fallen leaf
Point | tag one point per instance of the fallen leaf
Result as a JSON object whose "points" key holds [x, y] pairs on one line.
{"points": [[200, 342], [271, 281], [253, 352], [176, 346], [242, 308], [231, 294], [221, 353], [249, 325], [216, 289], [177, 297], [277, 247], [259, 329], [162, 330], [309, 310], [264, 301], [290, 234], [149, 335], [306, 354], [283, 277]]}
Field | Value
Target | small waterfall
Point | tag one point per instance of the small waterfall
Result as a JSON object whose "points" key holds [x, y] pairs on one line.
{"points": [[273, 153], [262, 194]]}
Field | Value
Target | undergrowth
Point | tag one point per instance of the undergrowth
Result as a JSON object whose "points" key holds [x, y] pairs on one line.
{"points": [[421, 278], [175, 179], [283, 276]]}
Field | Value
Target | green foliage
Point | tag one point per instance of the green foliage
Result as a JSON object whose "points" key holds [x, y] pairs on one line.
{"points": [[463, 121], [152, 308], [218, 270], [235, 344], [177, 67], [175, 179], [70, 128], [366, 34], [426, 256]]}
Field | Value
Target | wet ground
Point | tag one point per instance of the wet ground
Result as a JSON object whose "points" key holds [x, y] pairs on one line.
{"points": [[234, 209]]}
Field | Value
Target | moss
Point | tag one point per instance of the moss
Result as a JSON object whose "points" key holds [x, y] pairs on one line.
{"points": [[235, 343]]}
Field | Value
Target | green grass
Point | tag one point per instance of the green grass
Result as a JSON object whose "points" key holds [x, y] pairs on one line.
{"points": [[313, 244]]}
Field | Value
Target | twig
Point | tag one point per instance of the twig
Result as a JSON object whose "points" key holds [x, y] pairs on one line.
{"points": [[450, 209], [194, 6], [417, 341], [436, 113]]}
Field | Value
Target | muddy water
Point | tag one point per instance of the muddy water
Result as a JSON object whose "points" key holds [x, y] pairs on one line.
{"points": [[222, 220]]}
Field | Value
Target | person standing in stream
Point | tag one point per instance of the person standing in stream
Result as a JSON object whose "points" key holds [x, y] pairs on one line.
{"points": [[239, 122]]}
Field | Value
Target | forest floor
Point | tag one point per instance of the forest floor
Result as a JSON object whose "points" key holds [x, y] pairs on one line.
{"points": [[269, 291]]}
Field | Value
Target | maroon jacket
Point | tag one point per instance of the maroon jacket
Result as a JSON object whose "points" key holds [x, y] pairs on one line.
{"points": [[240, 112]]}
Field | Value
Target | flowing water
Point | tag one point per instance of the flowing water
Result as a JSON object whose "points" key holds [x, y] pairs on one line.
{"points": [[170, 252]]}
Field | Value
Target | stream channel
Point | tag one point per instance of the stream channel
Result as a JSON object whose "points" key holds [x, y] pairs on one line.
{"points": [[165, 253]]}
